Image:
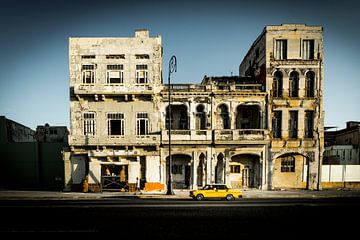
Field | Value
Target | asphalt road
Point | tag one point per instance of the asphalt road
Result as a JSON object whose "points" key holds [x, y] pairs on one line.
{"points": [[171, 218]]}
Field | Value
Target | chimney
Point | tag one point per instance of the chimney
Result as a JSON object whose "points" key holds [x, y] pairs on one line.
{"points": [[141, 33]]}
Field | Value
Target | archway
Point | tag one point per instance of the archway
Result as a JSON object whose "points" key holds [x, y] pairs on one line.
{"points": [[223, 118], [248, 117], [201, 171], [219, 169], [245, 171], [180, 171], [200, 117], [290, 171], [179, 117]]}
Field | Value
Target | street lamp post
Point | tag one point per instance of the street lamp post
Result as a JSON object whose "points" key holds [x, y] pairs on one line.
{"points": [[172, 68]]}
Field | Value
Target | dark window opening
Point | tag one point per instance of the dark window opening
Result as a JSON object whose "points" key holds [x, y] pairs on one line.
{"points": [[276, 122], [310, 84], [294, 84], [277, 84], [309, 124], [293, 124]]}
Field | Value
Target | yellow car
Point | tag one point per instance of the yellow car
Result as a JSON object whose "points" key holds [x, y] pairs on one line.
{"points": [[216, 191]]}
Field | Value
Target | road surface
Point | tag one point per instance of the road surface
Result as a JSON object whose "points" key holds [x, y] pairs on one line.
{"points": [[179, 218]]}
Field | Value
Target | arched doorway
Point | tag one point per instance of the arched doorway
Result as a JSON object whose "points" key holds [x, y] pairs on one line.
{"points": [[179, 117], [290, 171], [219, 169], [223, 118], [248, 117], [245, 171], [180, 171], [201, 171], [200, 117]]}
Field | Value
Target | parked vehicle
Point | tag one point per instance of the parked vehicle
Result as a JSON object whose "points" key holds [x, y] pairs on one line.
{"points": [[219, 191]]}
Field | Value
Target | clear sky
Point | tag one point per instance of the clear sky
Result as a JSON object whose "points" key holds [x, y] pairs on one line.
{"points": [[207, 37]]}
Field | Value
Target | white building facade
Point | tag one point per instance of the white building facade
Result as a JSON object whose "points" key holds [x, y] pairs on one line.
{"points": [[222, 130]]}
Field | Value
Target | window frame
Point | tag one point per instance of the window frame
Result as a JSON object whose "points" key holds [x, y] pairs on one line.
{"points": [[142, 117], [116, 116], [89, 123]]}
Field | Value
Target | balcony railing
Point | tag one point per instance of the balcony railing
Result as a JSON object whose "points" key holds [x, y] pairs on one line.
{"points": [[240, 134], [80, 140], [112, 88], [186, 135], [187, 88]]}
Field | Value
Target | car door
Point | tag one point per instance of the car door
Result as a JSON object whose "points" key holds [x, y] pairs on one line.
{"points": [[221, 191]]}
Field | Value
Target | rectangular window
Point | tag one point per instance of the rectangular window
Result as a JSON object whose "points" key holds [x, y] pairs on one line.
{"points": [[115, 56], [89, 124], [88, 56], [142, 56], [115, 74], [293, 124], [276, 122], [142, 124], [115, 123], [309, 124], [234, 168], [308, 49], [281, 49], [288, 164], [88, 75], [141, 74]]}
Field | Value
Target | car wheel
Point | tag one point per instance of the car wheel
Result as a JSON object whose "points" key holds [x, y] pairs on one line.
{"points": [[199, 197], [229, 197]]}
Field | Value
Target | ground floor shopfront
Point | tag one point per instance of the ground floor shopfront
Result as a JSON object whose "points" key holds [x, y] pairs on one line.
{"points": [[240, 166]]}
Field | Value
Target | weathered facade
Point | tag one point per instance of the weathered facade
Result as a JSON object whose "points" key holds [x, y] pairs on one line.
{"points": [[234, 130]]}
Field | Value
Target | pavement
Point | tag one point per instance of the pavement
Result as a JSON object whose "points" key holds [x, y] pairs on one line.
{"points": [[178, 194]]}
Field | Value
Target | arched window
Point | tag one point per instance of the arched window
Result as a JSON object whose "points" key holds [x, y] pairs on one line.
{"points": [[310, 84], [224, 117], [294, 84], [277, 84], [200, 117]]}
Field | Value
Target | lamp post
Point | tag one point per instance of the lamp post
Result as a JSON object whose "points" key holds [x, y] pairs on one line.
{"points": [[172, 68]]}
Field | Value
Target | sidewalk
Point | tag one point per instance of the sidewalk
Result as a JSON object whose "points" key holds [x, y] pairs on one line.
{"points": [[179, 194]]}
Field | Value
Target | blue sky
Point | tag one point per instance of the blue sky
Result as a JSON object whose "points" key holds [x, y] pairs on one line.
{"points": [[207, 37]]}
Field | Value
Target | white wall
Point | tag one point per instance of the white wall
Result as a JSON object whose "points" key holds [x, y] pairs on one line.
{"points": [[340, 173], [153, 168]]}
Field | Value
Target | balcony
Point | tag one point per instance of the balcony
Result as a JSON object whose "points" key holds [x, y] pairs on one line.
{"points": [[113, 89], [80, 140], [190, 136], [236, 135]]}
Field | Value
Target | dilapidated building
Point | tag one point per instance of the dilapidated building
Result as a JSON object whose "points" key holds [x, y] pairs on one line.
{"points": [[262, 129]]}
